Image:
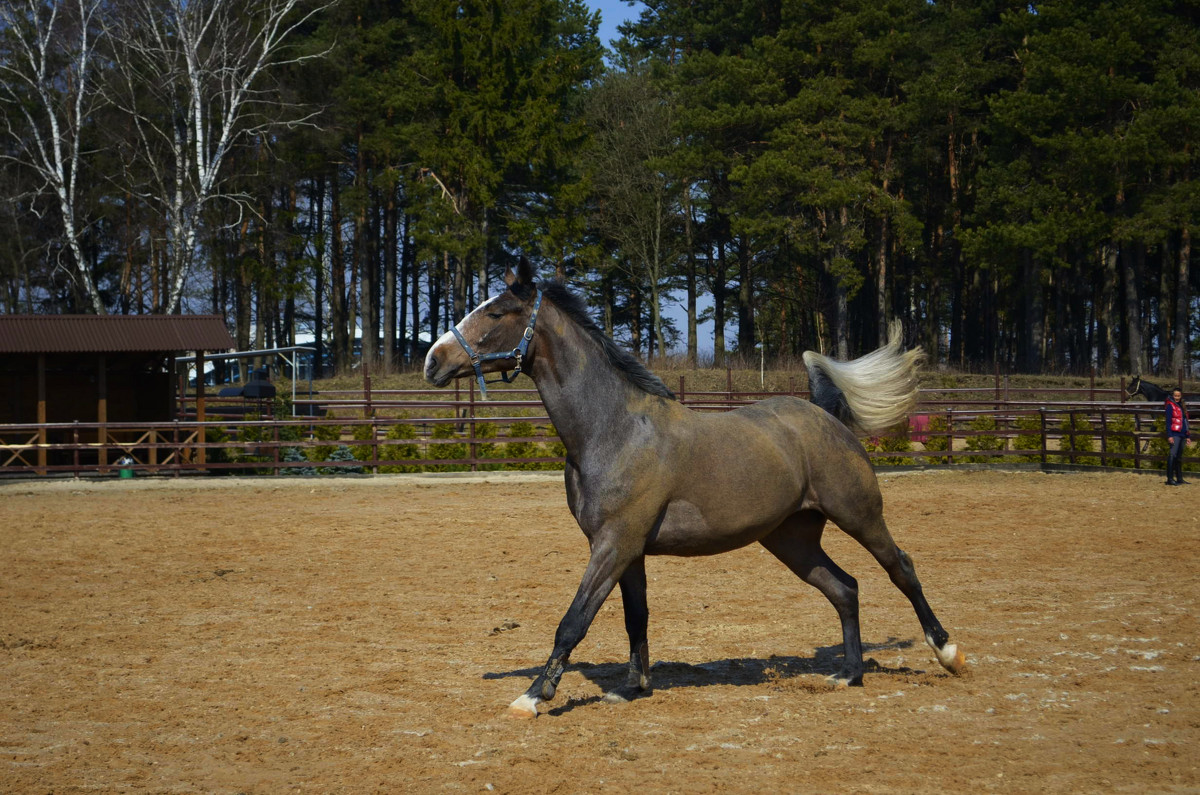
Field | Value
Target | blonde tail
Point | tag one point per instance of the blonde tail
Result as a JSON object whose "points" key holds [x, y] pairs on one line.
{"points": [[869, 394]]}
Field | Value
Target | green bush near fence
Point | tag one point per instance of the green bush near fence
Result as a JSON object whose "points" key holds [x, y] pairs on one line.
{"points": [[447, 452], [532, 449], [1029, 437], [294, 454], [894, 440], [487, 449], [521, 449], [405, 451], [984, 441], [936, 438], [324, 433], [1123, 445], [1078, 442], [362, 433], [341, 453]]}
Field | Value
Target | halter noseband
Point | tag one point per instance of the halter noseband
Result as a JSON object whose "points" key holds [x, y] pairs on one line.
{"points": [[517, 353]]}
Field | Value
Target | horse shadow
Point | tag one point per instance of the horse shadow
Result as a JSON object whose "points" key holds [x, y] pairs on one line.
{"points": [[738, 671]]}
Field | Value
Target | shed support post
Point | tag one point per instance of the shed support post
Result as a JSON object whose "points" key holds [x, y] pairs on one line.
{"points": [[102, 412], [201, 436], [41, 413]]}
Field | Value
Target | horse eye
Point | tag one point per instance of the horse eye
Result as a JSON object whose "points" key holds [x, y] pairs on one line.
{"points": [[495, 315]]}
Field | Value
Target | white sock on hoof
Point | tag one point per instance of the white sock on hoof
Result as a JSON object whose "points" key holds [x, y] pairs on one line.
{"points": [[949, 656], [524, 707]]}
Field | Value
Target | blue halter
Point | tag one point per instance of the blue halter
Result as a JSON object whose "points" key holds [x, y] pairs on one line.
{"points": [[517, 353]]}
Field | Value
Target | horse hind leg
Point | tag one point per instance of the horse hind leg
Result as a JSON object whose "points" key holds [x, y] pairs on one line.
{"points": [[797, 543], [637, 619], [874, 536]]}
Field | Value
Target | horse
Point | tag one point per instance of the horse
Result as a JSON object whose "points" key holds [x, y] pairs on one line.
{"points": [[1152, 392], [646, 475]]}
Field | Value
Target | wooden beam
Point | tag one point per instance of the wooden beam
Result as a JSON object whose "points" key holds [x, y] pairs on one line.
{"points": [[201, 437], [102, 411], [41, 412]]}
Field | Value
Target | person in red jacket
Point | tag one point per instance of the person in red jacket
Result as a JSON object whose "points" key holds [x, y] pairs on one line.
{"points": [[1178, 436]]}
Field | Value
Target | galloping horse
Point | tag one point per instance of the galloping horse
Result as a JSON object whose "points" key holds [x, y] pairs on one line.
{"points": [[647, 476]]}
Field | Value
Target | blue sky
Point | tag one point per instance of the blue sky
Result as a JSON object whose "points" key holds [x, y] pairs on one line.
{"points": [[613, 13]]}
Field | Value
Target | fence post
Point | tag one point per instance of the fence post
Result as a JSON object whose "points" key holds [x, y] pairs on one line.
{"points": [[75, 442], [374, 446], [1045, 439], [949, 437], [1137, 431], [1122, 389], [1092, 387], [729, 383], [175, 445], [682, 389], [473, 448], [275, 447], [1071, 434], [1103, 437]]}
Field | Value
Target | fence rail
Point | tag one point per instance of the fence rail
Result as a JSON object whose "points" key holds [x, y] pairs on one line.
{"points": [[419, 430]]}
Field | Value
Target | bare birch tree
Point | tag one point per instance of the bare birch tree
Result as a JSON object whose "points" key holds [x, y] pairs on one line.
{"points": [[192, 76], [47, 95]]}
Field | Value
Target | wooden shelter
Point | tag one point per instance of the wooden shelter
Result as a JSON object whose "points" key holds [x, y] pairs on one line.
{"points": [[98, 369]]}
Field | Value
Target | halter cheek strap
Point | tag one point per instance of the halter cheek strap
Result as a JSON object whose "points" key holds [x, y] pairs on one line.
{"points": [[517, 353]]}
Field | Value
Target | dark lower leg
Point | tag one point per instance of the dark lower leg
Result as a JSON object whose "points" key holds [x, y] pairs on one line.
{"points": [[637, 619], [598, 582], [798, 546]]}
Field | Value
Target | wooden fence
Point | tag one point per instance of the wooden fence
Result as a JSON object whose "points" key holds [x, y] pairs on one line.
{"points": [[357, 431]]}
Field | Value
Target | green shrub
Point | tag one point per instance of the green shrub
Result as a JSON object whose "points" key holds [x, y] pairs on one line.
{"points": [[407, 451], [362, 433], [521, 449], [984, 422], [936, 439], [1029, 438], [894, 440], [1158, 443], [1123, 445], [1080, 441], [293, 454], [324, 433], [341, 453], [487, 430], [447, 452]]}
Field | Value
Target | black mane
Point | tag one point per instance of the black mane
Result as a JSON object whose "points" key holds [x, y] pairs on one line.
{"points": [[634, 371]]}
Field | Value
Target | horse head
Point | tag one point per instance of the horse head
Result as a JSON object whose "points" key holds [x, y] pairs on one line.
{"points": [[493, 338], [1135, 386]]}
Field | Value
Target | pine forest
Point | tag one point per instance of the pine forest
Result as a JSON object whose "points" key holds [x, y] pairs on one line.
{"points": [[1018, 182]]}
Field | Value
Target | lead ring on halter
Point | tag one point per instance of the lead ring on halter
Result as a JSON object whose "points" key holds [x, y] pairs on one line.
{"points": [[517, 353]]}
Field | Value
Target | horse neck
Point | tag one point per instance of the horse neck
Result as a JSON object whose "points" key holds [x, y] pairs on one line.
{"points": [[585, 396]]}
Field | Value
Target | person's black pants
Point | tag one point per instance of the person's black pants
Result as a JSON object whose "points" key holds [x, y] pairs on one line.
{"points": [[1175, 458]]}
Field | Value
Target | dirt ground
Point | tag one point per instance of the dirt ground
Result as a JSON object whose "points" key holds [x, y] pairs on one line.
{"points": [[366, 635]]}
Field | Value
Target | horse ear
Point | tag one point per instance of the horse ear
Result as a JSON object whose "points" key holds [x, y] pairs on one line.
{"points": [[523, 276]]}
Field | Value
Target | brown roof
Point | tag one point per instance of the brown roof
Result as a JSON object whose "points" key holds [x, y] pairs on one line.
{"points": [[112, 333]]}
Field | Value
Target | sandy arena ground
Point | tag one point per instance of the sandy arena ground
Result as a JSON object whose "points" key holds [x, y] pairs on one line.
{"points": [[366, 635]]}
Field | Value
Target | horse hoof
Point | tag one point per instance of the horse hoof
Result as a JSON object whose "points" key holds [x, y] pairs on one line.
{"points": [[625, 694], [952, 658], [524, 708]]}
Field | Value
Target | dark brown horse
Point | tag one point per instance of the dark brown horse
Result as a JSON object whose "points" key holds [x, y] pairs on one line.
{"points": [[647, 476]]}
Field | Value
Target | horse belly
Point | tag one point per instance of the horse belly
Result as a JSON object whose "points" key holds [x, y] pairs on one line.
{"points": [[688, 529]]}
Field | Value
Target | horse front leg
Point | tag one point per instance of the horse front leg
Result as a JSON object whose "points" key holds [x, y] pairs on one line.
{"points": [[604, 569]]}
